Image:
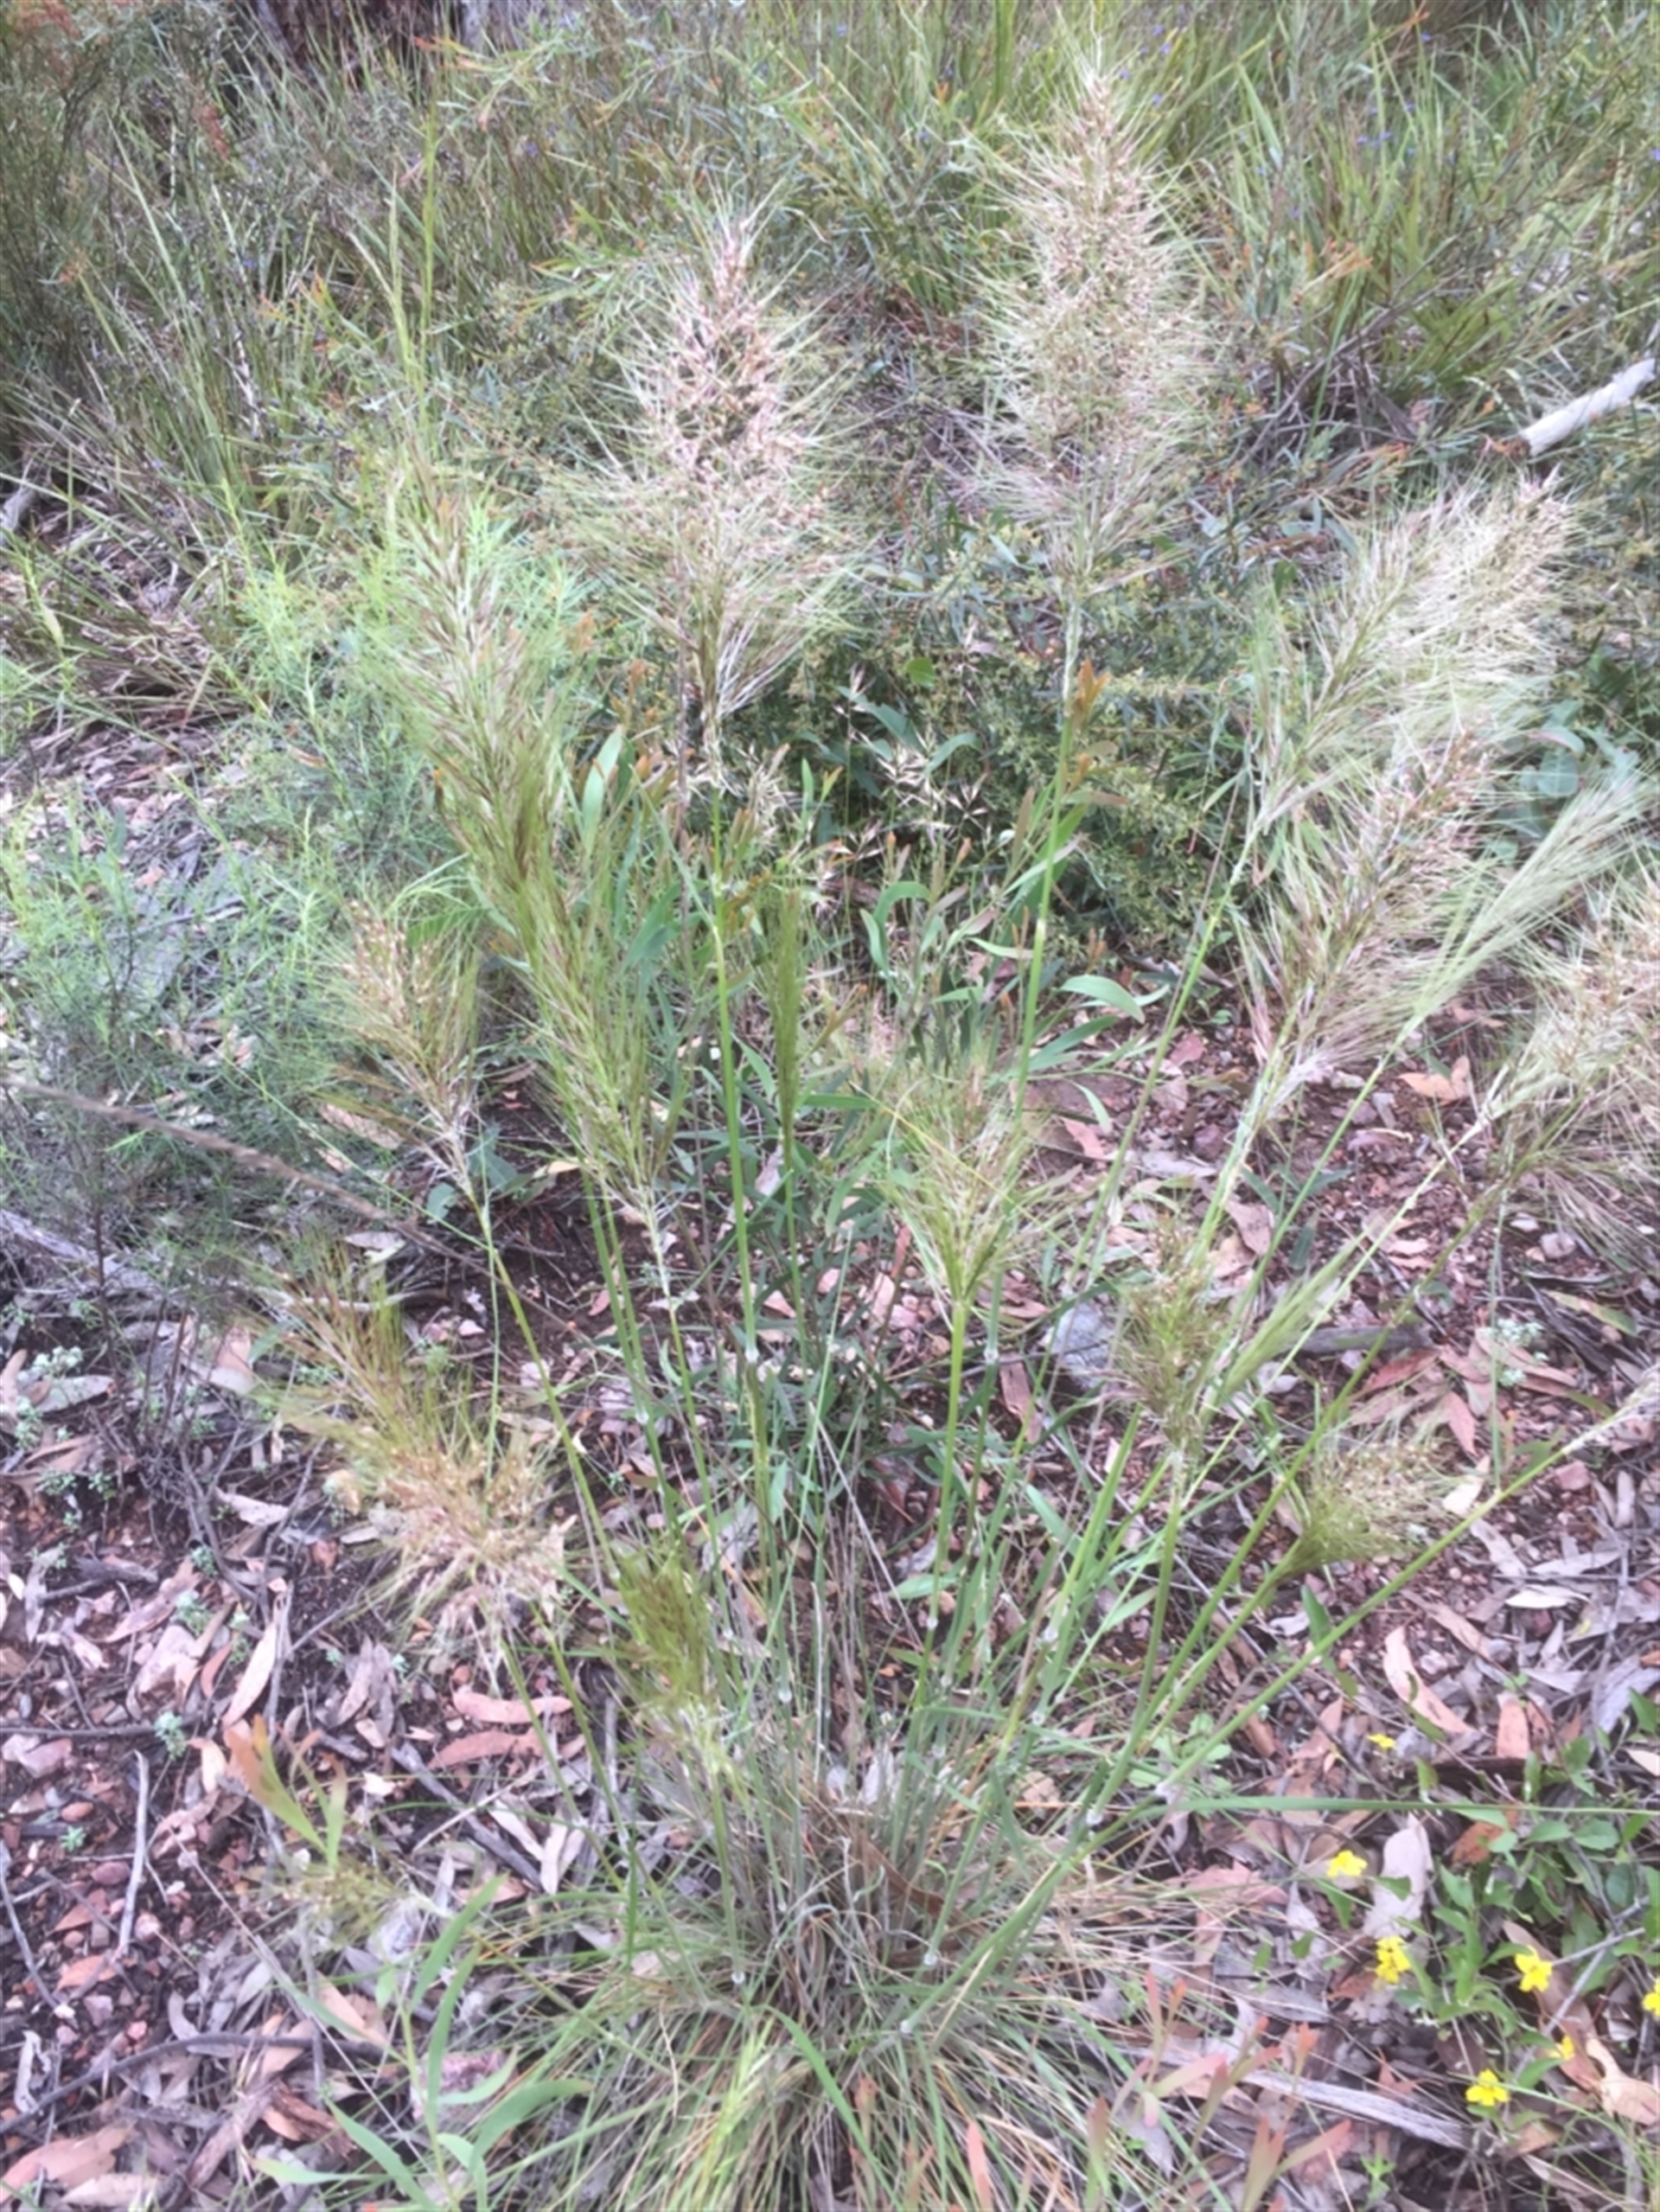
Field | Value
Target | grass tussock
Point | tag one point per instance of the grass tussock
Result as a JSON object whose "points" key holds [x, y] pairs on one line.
{"points": [[640, 605]]}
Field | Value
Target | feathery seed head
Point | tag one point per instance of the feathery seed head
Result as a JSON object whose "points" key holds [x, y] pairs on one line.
{"points": [[715, 511], [1096, 343]]}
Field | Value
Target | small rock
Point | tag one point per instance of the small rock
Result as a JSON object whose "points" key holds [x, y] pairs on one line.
{"points": [[1080, 1340]]}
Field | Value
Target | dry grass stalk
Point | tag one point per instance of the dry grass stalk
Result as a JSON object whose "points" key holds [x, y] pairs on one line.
{"points": [[463, 1494], [412, 1001]]}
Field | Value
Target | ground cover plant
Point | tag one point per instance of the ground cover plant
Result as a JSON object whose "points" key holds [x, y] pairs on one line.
{"points": [[830, 960]]}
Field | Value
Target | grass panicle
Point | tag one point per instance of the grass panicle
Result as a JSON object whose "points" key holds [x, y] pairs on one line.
{"points": [[476, 1541], [1378, 757], [1097, 360], [1573, 1099], [717, 509]]}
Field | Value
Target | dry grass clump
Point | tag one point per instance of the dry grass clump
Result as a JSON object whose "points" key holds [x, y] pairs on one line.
{"points": [[464, 1495], [843, 1960]]}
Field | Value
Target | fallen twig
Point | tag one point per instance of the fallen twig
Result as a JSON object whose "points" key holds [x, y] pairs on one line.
{"points": [[115, 1275], [31, 1964], [1561, 422], [97, 2077], [515, 1861], [140, 1847], [261, 1163]]}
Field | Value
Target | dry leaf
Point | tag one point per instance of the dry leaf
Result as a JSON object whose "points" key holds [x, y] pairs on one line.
{"points": [[1455, 1625], [373, 1678], [1445, 1089], [487, 1743], [291, 2118], [356, 2014], [1254, 1223], [85, 1973], [69, 2160], [35, 1757], [277, 2053], [256, 1676], [559, 1849], [979, 2168], [505, 1712], [1407, 1860], [1400, 1671], [1228, 1258], [171, 1664], [1624, 2097], [257, 1513], [229, 1367], [1014, 1387], [1457, 1413], [1475, 1846], [1510, 1738], [1084, 1137]]}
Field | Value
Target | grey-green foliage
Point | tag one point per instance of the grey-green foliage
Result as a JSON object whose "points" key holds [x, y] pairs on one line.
{"points": [[188, 989]]}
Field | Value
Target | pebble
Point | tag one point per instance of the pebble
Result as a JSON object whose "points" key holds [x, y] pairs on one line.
{"points": [[1080, 1340]]}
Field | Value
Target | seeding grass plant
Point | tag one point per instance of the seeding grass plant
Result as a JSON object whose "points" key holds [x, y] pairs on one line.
{"points": [[711, 604]]}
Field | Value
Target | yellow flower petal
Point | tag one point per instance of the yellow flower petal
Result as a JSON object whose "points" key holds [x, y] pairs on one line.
{"points": [[1487, 2090], [1533, 1970], [1346, 1866], [1393, 1960]]}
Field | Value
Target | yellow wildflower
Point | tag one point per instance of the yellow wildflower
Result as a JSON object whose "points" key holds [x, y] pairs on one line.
{"points": [[1383, 1743], [1393, 1960], [1487, 2090], [1565, 2047], [1651, 1998], [1344, 1866], [1533, 1970]]}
